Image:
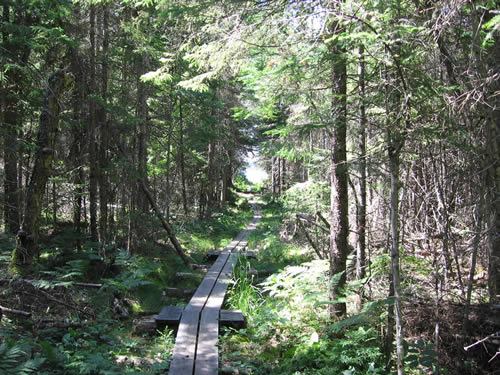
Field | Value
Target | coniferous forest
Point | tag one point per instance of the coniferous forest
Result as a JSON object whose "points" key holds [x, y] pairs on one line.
{"points": [[126, 130]]}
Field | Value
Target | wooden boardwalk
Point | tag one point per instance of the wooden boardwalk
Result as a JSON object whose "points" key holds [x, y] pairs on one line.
{"points": [[196, 350]]}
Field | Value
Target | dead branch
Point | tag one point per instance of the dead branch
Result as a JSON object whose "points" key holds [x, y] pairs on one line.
{"points": [[309, 239], [492, 358], [171, 234], [165, 225], [321, 217], [493, 335], [33, 282], [56, 300], [87, 285], [14, 311], [305, 218]]}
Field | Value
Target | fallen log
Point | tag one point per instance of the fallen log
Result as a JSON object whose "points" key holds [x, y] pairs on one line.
{"points": [[135, 361], [309, 239], [188, 275], [15, 312], [63, 283], [165, 225], [171, 234]]}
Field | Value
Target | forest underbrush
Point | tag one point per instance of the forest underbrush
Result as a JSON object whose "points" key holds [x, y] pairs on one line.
{"points": [[289, 330], [89, 309]]}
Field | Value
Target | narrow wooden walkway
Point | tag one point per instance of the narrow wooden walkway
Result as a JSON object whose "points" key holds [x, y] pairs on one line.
{"points": [[196, 350]]}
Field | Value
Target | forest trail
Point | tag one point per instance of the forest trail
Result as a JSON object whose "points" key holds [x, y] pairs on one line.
{"points": [[196, 350]]}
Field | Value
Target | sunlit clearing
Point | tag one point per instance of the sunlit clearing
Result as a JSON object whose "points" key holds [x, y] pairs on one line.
{"points": [[254, 172]]}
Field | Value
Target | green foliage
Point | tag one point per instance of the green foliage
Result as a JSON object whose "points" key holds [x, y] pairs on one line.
{"points": [[307, 197], [355, 353], [217, 231], [241, 183], [242, 294], [285, 334], [421, 355], [15, 360], [370, 312], [134, 271]]}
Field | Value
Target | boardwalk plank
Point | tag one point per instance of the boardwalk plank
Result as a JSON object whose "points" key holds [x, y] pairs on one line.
{"points": [[169, 315], [195, 350], [207, 355], [185, 344], [233, 319]]}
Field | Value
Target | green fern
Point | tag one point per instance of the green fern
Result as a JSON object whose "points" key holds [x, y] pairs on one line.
{"points": [[13, 361]]}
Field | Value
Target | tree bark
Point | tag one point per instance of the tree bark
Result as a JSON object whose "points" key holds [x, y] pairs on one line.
{"points": [[103, 136], [339, 220], [394, 148], [27, 239], [11, 116], [361, 214], [92, 150], [182, 158], [493, 147], [11, 122]]}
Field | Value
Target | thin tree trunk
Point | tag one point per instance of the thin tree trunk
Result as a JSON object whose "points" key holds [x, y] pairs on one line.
{"points": [[182, 158], [77, 138], [493, 134], [104, 136], [10, 124], [11, 121], [166, 226], [27, 239], [339, 210], [394, 147], [142, 116], [478, 220], [361, 249], [93, 172]]}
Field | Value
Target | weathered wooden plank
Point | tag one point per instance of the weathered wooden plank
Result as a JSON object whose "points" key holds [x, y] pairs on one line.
{"points": [[168, 316], [207, 354], [199, 323], [171, 315], [207, 366], [248, 254], [231, 318], [183, 357]]}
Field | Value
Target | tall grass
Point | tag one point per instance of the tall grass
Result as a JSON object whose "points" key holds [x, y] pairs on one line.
{"points": [[243, 295]]}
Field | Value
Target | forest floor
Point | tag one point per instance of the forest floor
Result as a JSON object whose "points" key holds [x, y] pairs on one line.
{"points": [[78, 327]]}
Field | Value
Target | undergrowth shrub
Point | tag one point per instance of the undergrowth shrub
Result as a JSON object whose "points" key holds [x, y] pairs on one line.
{"points": [[243, 295], [15, 359]]}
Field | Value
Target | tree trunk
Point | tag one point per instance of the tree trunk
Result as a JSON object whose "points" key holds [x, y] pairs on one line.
{"points": [[339, 220], [394, 148], [11, 122], [361, 214], [104, 134], [27, 239], [11, 117], [92, 150], [182, 158], [493, 149]]}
